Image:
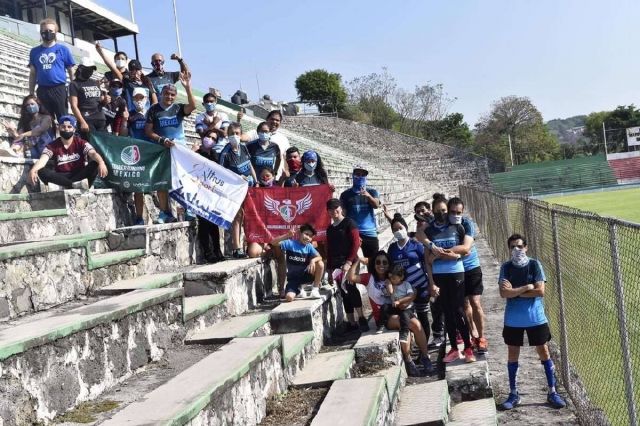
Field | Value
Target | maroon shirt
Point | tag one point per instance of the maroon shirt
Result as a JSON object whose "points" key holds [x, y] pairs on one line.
{"points": [[68, 159]]}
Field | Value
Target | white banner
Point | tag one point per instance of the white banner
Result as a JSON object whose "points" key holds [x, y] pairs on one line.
{"points": [[206, 188], [633, 136]]}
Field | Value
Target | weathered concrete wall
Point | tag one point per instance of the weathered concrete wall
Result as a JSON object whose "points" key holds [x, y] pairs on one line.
{"points": [[245, 402], [14, 175], [50, 379]]}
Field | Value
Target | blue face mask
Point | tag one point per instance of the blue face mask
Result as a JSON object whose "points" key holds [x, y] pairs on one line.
{"points": [[209, 107], [359, 182], [33, 108], [310, 167], [116, 92], [264, 136]]}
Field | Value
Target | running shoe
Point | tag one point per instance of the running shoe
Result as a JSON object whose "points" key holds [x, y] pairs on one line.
{"points": [[404, 336], [482, 346], [165, 217], [139, 221], [381, 329], [364, 324], [82, 184], [303, 293], [511, 402], [459, 338], [239, 254], [412, 370], [436, 342], [315, 293], [429, 369], [555, 400], [469, 356], [453, 355]]}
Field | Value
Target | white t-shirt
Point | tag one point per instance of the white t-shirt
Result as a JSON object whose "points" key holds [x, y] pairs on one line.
{"points": [[200, 119], [279, 139]]}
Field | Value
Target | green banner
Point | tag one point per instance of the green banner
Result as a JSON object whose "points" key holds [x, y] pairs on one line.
{"points": [[134, 165]]}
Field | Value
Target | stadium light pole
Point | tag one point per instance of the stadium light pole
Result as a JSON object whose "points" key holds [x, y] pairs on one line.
{"points": [[175, 18], [604, 135], [133, 18], [510, 150]]}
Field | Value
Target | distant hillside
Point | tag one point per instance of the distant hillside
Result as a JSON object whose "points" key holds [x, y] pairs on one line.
{"points": [[568, 130]]}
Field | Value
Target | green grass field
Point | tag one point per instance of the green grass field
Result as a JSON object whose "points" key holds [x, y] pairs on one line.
{"points": [[623, 204]]}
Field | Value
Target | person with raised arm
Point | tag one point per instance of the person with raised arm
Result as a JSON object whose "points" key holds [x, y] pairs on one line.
{"points": [[160, 78]]}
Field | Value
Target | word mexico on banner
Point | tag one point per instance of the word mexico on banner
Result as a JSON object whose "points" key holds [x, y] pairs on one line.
{"points": [[134, 165], [206, 188], [271, 212]]}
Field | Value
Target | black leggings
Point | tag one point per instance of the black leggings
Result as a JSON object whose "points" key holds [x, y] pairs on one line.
{"points": [[452, 295], [66, 180], [209, 236], [421, 306], [370, 246]]}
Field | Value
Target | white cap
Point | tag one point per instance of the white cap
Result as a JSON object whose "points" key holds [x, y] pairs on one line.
{"points": [[139, 91], [87, 62]]}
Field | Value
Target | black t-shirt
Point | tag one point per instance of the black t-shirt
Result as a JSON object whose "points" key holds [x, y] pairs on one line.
{"points": [[109, 75], [136, 123], [262, 157], [159, 81], [211, 155], [304, 179], [88, 94], [238, 162], [114, 109], [339, 242]]}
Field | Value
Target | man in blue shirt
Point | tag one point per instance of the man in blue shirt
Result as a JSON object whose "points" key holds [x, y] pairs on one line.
{"points": [[159, 77], [522, 283], [360, 203], [47, 65]]}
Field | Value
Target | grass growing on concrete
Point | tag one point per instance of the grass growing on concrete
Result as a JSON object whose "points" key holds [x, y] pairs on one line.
{"points": [[296, 407], [623, 204], [84, 412]]}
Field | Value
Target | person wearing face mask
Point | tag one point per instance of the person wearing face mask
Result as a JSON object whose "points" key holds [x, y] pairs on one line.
{"points": [[47, 65], [164, 126], [120, 60], [211, 119], [360, 202], [522, 283], [473, 286], [159, 77], [71, 156], [274, 120], [263, 152], [313, 172], [410, 254], [446, 278], [236, 158], [294, 164], [35, 130], [85, 99], [115, 107]]}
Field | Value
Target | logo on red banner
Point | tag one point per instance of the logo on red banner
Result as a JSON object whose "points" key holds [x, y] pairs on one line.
{"points": [[271, 212]]}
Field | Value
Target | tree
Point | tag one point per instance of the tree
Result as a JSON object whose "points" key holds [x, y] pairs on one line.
{"points": [[427, 104], [593, 130], [372, 94], [321, 88], [453, 131]]}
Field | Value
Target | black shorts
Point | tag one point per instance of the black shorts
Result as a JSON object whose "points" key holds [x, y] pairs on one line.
{"points": [[473, 282], [294, 286], [537, 336], [370, 246]]}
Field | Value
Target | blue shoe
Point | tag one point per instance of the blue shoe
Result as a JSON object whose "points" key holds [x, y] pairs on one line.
{"points": [[165, 217], [429, 369], [511, 402], [188, 216], [139, 221], [555, 400]]}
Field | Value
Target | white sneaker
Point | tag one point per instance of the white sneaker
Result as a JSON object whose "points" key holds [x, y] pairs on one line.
{"points": [[83, 184], [315, 293], [50, 187], [303, 293]]}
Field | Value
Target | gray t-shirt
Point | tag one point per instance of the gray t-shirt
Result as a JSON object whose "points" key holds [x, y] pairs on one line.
{"points": [[401, 291]]}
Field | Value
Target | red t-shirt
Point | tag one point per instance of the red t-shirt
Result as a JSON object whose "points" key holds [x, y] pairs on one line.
{"points": [[68, 159]]}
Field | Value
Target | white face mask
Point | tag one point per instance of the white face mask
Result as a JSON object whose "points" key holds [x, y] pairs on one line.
{"points": [[234, 140], [139, 105], [400, 235], [519, 257], [121, 63], [455, 219]]}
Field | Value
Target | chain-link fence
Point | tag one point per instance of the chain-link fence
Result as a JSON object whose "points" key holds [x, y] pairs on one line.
{"points": [[592, 295]]}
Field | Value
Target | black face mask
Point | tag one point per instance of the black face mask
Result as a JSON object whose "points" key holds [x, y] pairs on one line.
{"points": [[86, 73], [48, 36], [66, 135], [440, 216]]}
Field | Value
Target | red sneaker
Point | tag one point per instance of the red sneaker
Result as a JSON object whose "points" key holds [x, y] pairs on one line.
{"points": [[453, 355], [469, 356]]}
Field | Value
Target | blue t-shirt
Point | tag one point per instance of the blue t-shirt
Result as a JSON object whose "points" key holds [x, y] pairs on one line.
{"points": [[446, 237], [472, 261], [51, 64], [238, 162], [358, 208], [411, 256], [160, 80], [523, 311], [168, 122], [136, 123], [298, 256]]}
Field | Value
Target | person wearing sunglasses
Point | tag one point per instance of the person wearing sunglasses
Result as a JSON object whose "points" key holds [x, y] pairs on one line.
{"points": [[159, 77], [378, 267]]}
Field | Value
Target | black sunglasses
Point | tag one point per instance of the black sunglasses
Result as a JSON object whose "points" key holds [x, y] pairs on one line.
{"points": [[382, 262]]}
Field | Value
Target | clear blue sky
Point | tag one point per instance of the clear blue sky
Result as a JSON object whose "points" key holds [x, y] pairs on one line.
{"points": [[569, 56]]}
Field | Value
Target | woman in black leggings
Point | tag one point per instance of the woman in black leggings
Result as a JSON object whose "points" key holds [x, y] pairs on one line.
{"points": [[446, 277]]}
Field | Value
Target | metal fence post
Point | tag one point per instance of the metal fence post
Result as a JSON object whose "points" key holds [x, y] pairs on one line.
{"points": [[564, 342], [622, 321]]}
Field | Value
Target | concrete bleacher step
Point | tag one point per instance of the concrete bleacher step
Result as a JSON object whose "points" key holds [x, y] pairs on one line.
{"points": [[144, 282], [425, 404], [380, 347], [213, 388], [469, 381], [294, 343], [481, 412], [33, 214], [197, 305], [114, 257], [227, 330], [354, 402], [324, 369], [306, 314]]}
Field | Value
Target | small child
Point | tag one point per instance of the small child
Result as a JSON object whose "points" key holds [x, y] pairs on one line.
{"points": [[267, 177], [304, 263], [401, 294]]}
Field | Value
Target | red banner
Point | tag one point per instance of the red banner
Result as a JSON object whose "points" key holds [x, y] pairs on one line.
{"points": [[271, 212]]}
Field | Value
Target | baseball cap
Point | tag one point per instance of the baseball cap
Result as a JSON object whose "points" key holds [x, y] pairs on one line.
{"points": [[139, 91], [170, 88], [135, 65], [333, 203], [309, 155], [361, 168], [115, 80], [88, 63], [71, 119]]}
